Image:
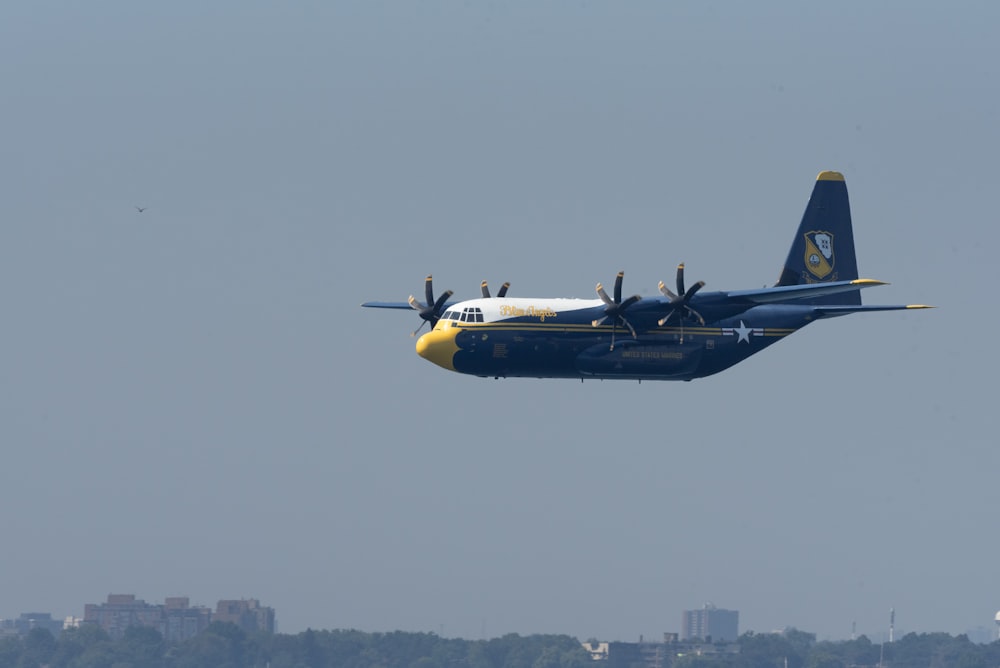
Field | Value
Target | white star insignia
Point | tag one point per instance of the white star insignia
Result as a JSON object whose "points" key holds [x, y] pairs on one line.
{"points": [[743, 332]]}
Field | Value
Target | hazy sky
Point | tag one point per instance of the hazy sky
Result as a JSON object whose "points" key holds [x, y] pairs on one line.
{"points": [[192, 402]]}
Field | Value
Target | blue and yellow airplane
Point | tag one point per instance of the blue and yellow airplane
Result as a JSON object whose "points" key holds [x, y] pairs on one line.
{"points": [[681, 335]]}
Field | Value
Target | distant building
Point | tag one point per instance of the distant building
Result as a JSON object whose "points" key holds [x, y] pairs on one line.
{"points": [[181, 621], [30, 620], [120, 612], [654, 654], [175, 620], [248, 614], [710, 624], [598, 650]]}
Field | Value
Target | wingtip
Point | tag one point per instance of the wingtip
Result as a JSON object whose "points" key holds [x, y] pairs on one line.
{"points": [[919, 306], [867, 282]]}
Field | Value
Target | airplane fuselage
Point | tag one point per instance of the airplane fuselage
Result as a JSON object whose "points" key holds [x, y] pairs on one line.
{"points": [[556, 338], [678, 334]]}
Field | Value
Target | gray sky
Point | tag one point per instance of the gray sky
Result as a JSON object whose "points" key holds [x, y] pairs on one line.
{"points": [[192, 402]]}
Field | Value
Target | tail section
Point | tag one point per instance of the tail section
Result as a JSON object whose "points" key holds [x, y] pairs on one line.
{"points": [[823, 249]]}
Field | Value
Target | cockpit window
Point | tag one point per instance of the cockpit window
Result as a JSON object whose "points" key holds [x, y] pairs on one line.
{"points": [[469, 314]]}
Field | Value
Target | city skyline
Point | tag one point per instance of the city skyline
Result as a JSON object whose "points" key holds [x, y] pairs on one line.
{"points": [[979, 634]]}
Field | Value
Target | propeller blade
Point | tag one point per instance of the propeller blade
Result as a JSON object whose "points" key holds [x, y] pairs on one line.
{"points": [[414, 304], [598, 322], [429, 289], [680, 279], [666, 291], [694, 290], [618, 287], [439, 304], [500, 294], [628, 302], [604, 295], [630, 328]]}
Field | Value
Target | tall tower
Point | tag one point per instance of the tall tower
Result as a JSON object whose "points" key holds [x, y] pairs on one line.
{"points": [[710, 624], [997, 620], [892, 622]]}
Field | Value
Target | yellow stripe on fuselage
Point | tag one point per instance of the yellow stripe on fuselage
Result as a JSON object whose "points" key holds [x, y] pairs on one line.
{"points": [[587, 328]]}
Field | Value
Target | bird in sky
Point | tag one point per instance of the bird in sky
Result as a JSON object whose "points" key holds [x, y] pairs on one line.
{"points": [[140, 209]]}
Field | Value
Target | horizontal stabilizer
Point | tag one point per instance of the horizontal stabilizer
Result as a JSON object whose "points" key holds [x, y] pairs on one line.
{"points": [[788, 293], [833, 311]]}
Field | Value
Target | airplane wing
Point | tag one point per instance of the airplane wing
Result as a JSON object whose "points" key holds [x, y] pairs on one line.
{"points": [[429, 311], [787, 293], [400, 305]]}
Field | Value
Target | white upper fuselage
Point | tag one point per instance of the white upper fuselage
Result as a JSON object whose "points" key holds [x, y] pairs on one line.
{"points": [[497, 309]]}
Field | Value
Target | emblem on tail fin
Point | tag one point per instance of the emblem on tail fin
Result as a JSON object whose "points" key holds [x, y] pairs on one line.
{"points": [[819, 256]]}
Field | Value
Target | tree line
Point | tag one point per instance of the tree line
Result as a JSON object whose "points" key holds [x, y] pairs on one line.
{"points": [[798, 649], [225, 645]]}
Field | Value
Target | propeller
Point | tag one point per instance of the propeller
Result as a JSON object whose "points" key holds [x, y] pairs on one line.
{"points": [[615, 308], [431, 311], [681, 302], [486, 290]]}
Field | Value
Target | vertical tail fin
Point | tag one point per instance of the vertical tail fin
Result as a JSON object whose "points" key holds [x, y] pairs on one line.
{"points": [[823, 249]]}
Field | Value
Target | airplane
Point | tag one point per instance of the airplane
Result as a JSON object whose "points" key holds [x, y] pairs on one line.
{"points": [[680, 334]]}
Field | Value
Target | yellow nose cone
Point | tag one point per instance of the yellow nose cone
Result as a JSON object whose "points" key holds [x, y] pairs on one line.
{"points": [[438, 345]]}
